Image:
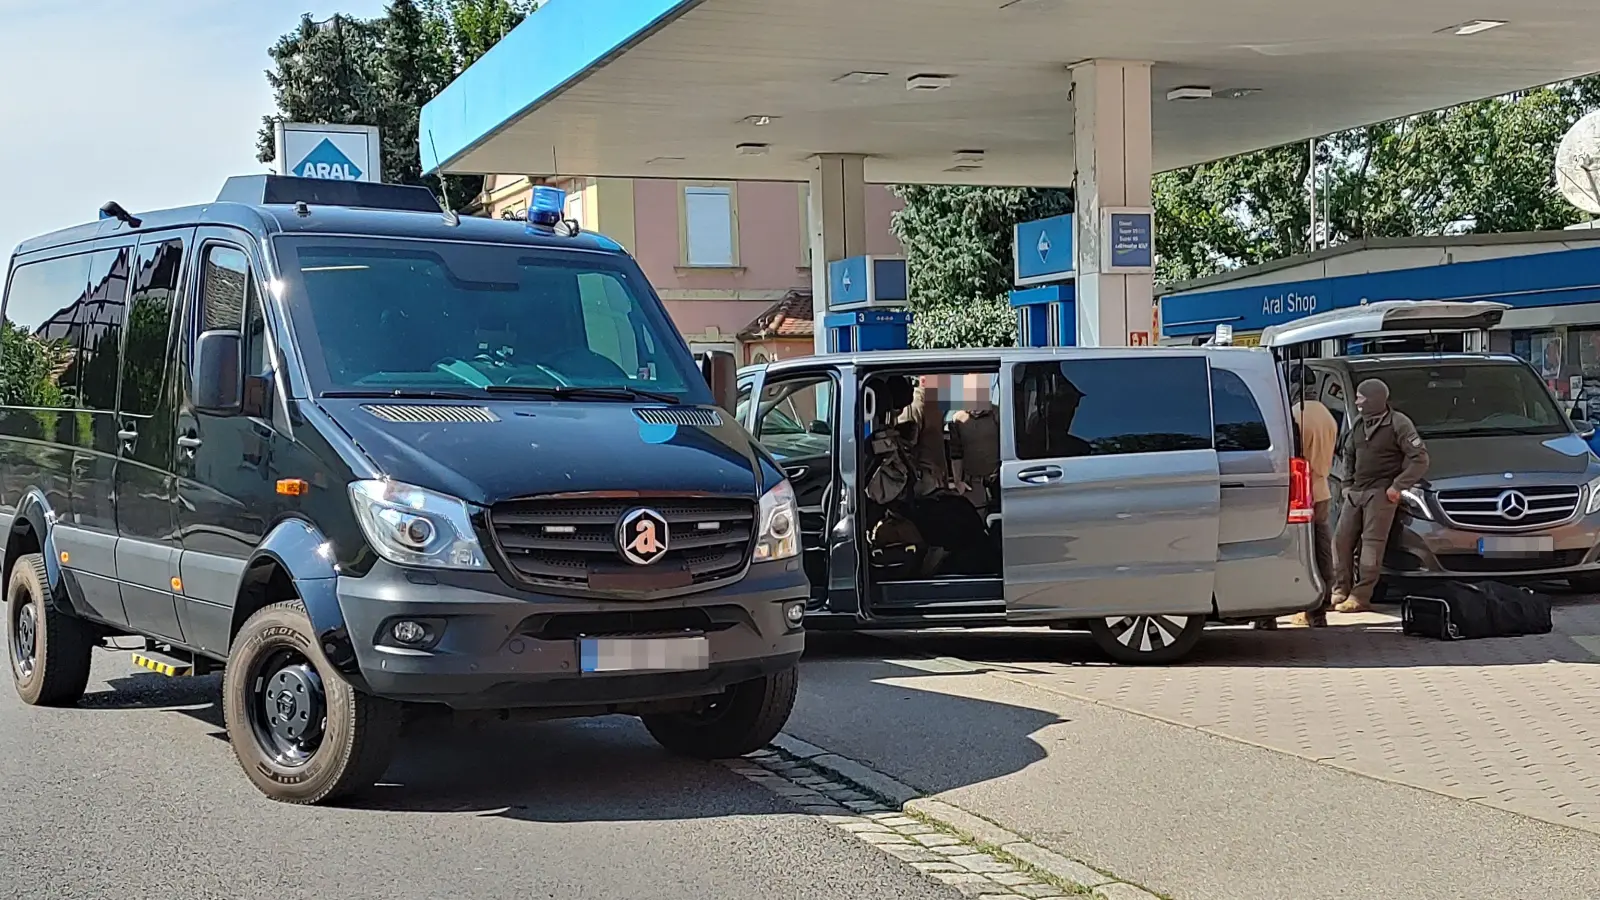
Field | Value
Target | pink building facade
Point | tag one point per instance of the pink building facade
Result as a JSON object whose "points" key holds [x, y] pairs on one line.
{"points": [[731, 259]]}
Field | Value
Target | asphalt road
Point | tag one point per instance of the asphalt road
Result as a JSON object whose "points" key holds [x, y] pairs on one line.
{"points": [[136, 794]]}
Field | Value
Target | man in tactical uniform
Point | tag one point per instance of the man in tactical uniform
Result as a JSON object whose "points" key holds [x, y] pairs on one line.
{"points": [[1389, 458]]}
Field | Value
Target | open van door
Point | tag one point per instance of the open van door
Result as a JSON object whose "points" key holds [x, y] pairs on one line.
{"points": [[1387, 317], [1110, 493]]}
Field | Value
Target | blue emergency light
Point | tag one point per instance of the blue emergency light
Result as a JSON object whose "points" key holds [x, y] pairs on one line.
{"points": [[547, 206]]}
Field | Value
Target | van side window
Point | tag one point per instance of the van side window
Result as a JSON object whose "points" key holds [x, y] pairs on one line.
{"points": [[1240, 427], [40, 346], [1105, 407], [224, 283], [98, 322], [150, 311]]}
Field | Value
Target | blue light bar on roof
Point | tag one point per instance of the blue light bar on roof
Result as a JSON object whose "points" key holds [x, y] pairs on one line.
{"points": [[547, 206]]}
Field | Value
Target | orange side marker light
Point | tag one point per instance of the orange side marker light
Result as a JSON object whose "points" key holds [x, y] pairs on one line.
{"points": [[293, 487], [65, 557], [177, 585]]}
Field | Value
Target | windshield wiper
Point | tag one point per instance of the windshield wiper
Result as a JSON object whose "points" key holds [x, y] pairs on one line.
{"points": [[399, 394], [608, 392]]}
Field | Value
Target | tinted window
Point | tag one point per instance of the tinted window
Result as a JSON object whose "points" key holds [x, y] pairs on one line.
{"points": [[1101, 407], [1466, 400], [224, 282], [1239, 423], [40, 346], [375, 314], [150, 310], [98, 321]]}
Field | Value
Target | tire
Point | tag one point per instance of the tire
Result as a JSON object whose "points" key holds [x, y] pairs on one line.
{"points": [[276, 666], [54, 670], [1147, 640], [743, 719]]}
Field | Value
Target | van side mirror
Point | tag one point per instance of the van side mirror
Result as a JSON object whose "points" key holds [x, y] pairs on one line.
{"points": [[218, 389], [721, 372]]}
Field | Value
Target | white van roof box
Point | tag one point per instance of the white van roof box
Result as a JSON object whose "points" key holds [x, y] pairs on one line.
{"points": [[1387, 315]]}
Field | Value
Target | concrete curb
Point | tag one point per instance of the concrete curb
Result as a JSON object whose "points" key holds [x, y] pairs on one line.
{"points": [[1071, 875]]}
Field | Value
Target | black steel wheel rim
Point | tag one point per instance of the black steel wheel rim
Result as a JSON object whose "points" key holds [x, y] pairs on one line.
{"points": [[288, 707], [25, 639]]}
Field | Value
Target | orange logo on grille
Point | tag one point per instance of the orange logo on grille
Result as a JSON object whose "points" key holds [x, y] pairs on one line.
{"points": [[642, 536]]}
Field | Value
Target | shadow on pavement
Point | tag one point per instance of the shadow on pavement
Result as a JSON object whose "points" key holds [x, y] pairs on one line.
{"points": [[609, 769]]}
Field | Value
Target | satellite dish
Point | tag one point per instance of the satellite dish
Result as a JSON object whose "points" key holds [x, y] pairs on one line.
{"points": [[1578, 164]]}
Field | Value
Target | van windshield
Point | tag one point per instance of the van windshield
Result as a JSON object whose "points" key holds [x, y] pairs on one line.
{"points": [[377, 315], [1469, 400]]}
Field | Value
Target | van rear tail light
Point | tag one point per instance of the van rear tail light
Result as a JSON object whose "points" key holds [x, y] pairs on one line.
{"points": [[1301, 504]]}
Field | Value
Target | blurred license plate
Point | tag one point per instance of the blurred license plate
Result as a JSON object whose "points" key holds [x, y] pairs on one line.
{"points": [[671, 654], [1515, 546]]}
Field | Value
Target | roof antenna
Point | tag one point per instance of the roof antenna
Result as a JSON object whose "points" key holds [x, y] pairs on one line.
{"points": [[113, 210], [450, 216]]}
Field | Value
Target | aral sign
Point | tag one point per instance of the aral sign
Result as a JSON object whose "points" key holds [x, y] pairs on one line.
{"points": [[335, 152]]}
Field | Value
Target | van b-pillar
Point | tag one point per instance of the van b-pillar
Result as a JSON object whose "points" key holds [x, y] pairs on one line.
{"points": [[1115, 239], [838, 216]]}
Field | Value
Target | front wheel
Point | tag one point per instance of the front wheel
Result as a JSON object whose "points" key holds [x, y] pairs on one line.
{"points": [[740, 720], [49, 649], [302, 733], [1147, 640]]}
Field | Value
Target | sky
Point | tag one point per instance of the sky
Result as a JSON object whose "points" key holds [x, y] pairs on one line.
{"points": [[151, 103]]}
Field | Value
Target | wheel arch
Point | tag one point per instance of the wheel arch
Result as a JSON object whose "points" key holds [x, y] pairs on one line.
{"points": [[294, 562], [30, 532]]}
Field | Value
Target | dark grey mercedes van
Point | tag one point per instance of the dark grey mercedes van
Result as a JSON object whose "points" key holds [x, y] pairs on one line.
{"points": [[362, 454]]}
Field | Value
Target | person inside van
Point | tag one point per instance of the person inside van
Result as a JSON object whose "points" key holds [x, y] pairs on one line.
{"points": [[975, 449], [926, 425], [1388, 458]]}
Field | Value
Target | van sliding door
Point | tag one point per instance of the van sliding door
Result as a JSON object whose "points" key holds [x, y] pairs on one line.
{"points": [[1109, 486]]}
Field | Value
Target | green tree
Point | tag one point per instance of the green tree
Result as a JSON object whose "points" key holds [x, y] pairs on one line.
{"points": [[381, 71], [1475, 168], [957, 243]]}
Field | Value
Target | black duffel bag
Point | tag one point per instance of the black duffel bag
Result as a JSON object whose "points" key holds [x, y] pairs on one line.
{"points": [[1462, 610]]}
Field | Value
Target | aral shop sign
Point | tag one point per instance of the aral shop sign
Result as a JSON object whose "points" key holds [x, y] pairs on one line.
{"points": [[1289, 303], [1557, 278]]}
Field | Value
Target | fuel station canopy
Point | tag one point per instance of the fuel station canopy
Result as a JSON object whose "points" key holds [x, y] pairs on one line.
{"points": [[966, 91]]}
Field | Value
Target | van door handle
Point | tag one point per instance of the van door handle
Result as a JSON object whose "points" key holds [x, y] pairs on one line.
{"points": [[189, 442], [1039, 474], [127, 435]]}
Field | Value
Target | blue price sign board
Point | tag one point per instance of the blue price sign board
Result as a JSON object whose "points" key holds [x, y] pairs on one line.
{"points": [[1128, 241], [1041, 251]]}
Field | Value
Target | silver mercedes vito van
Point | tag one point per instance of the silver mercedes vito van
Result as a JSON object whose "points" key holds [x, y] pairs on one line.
{"points": [[1134, 493]]}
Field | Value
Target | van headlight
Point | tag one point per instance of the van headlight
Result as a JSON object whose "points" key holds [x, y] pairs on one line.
{"points": [[1415, 503], [411, 526], [779, 516], [1594, 498]]}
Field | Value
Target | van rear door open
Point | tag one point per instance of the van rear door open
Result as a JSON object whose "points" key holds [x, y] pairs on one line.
{"points": [[1109, 485]]}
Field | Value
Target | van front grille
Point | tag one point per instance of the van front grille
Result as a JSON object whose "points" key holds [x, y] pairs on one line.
{"points": [[1509, 509], [562, 543]]}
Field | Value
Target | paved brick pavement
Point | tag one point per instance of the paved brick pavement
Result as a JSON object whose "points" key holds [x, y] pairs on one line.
{"points": [[1511, 723]]}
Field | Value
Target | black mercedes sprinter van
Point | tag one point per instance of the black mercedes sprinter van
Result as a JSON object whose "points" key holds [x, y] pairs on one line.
{"points": [[360, 454]]}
